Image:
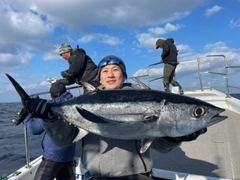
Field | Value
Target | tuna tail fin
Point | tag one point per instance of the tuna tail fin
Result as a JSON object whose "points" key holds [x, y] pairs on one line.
{"points": [[24, 97], [22, 115]]}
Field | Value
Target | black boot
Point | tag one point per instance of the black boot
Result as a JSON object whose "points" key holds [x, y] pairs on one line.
{"points": [[166, 87], [180, 87]]}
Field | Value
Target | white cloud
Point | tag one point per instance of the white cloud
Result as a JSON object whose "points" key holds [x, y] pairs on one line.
{"points": [[182, 47], [209, 12], [10, 61], [121, 14], [167, 28], [101, 38], [31, 25], [148, 39], [234, 24], [216, 47], [22, 27], [51, 56]]}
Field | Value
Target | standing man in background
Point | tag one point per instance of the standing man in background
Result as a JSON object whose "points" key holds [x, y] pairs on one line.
{"points": [[169, 58], [81, 66]]}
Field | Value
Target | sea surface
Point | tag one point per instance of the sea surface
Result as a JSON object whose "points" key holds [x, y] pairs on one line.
{"points": [[12, 148]]}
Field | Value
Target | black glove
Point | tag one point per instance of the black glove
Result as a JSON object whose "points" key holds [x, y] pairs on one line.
{"points": [[65, 74], [40, 108], [193, 136]]}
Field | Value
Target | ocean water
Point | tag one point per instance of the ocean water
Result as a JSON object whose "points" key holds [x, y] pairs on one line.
{"points": [[12, 148]]}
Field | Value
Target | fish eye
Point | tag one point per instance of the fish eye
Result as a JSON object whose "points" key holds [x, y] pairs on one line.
{"points": [[198, 111]]}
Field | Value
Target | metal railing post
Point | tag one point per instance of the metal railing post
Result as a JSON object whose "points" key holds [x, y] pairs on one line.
{"points": [[26, 148], [199, 73]]}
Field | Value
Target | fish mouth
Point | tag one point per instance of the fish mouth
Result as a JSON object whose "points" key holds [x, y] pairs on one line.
{"points": [[217, 118]]}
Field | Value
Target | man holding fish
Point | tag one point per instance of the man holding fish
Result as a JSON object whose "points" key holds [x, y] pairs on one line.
{"points": [[105, 157]]}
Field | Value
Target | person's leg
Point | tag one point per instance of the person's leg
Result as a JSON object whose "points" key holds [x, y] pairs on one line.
{"points": [[166, 87], [47, 170], [167, 71], [173, 82], [66, 172], [171, 73]]}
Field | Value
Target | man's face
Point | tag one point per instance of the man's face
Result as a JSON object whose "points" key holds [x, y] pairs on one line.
{"points": [[66, 55], [111, 77]]}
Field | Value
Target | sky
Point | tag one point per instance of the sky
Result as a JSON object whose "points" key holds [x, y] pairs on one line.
{"points": [[32, 30]]}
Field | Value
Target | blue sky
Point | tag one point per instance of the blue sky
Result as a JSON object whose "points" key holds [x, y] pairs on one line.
{"points": [[32, 30]]}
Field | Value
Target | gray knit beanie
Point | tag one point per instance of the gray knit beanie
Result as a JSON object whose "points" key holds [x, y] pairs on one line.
{"points": [[64, 48]]}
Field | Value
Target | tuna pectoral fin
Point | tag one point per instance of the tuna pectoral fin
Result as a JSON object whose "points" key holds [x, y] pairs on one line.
{"points": [[91, 117], [24, 96], [145, 144], [81, 134]]}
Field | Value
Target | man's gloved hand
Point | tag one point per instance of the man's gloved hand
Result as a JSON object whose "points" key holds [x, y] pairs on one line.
{"points": [[35, 96], [40, 108], [193, 136], [65, 74], [52, 80]]}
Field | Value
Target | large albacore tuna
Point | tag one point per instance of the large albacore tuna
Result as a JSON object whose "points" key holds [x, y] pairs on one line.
{"points": [[134, 114]]}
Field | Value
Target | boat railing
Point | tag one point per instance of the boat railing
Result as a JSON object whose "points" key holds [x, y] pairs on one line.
{"points": [[225, 73], [200, 72], [146, 74]]}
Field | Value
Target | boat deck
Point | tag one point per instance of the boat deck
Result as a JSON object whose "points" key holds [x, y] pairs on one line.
{"points": [[213, 154]]}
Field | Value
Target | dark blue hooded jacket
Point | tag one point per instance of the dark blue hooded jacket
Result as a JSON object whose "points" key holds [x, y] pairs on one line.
{"points": [[51, 151]]}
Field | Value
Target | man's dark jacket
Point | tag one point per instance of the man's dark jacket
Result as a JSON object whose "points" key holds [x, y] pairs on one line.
{"points": [[170, 52], [81, 68]]}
